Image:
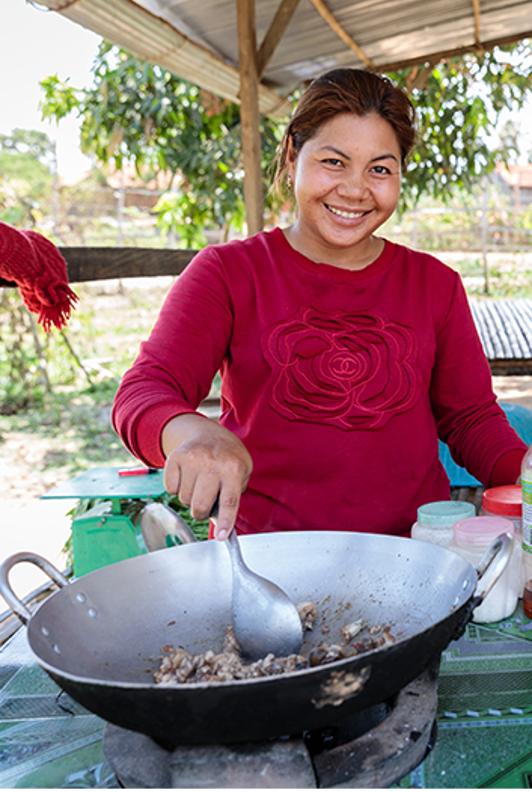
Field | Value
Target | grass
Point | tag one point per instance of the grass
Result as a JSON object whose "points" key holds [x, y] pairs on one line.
{"points": [[49, 436]]}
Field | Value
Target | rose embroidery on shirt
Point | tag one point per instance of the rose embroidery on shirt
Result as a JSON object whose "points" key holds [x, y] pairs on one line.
{"points": [[349, 369]]}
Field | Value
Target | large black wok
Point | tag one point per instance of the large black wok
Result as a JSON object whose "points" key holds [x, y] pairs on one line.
{"points": [[100, 637]]}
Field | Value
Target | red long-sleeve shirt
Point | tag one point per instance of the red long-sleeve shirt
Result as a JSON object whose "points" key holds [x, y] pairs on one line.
{"points": [[339, 383]]}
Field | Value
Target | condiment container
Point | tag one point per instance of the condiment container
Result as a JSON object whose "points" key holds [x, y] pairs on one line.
{"points": [[504, 502], [526, 489], [435, 520], [471, 539]]}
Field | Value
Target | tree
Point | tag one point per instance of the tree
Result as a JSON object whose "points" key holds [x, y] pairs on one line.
{"points": [[459, 102], [26, 176], [142, 113]]}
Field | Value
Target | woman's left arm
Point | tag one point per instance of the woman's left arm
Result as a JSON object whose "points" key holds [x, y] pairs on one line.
{"points": [[469, 418]]}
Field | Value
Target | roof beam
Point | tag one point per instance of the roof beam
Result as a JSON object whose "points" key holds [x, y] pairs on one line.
{"points": [[434, 58], [249, 115], [476, 12], [275, 33], [331, 20], [128, 25]]}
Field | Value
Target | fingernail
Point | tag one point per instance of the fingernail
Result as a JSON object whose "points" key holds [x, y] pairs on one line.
{"points": [[222, 535]]}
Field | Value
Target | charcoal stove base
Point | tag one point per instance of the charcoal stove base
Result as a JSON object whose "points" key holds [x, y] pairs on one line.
{"points": [[372, 749]]}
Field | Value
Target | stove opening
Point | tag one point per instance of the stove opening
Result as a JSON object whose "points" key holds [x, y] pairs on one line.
{"points": [[344, 731]]}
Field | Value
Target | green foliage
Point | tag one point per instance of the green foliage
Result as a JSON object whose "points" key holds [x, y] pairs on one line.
{"points": [[179, 212], [142, 113], [27, 159], [139, 112], [459, 102], [60, 99], [31, 142], [21, 378]]}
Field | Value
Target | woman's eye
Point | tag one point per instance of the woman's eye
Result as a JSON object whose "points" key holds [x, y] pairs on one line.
{"points": [[332, 161], [381, 169]]}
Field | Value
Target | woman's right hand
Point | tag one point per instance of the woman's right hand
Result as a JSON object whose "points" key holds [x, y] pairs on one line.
{"points": [[205, 462]]}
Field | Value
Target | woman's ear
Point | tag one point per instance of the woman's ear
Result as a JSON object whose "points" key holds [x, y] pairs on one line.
{"points": [[291, 157]]}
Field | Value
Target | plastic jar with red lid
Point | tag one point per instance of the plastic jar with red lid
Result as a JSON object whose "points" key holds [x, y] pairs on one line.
{"points": [[504, 502]]}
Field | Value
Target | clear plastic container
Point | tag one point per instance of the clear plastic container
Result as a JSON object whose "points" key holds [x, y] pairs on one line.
{"points": [[506, 502], [435, 520], [472, 537]]}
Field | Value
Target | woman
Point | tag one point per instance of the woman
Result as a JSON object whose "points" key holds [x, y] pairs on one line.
{"points": [[344, 357]]}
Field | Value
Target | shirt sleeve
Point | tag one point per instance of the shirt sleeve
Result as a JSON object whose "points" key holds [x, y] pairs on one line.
{"points": [[175, 367], [469, 418]]}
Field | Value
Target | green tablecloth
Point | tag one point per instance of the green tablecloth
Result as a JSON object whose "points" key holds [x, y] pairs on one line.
{"points": [[484, 719]]}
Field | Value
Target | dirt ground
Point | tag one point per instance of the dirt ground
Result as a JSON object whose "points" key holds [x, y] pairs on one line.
{"points": [[43, 526], [517, 390]]}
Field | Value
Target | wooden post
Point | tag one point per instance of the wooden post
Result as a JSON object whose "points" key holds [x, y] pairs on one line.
{"points": [[249, 114], [484, 235]]}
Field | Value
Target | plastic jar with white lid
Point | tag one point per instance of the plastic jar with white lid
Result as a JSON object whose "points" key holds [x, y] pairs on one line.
{"points": [[504, 502], [435, 520], [472, 537]]}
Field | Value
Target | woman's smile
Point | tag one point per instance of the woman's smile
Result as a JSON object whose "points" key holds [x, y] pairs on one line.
{"points": [[349, 214], [347, 181]]}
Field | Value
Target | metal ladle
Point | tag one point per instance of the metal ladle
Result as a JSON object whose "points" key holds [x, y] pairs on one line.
{"points": [[264, 618]]}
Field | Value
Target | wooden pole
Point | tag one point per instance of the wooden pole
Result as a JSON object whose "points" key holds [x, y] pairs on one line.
{"points": [[249, 115], [484, 235]]}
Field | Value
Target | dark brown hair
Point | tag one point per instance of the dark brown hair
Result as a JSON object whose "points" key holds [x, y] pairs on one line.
{"points": [[347, 91]]}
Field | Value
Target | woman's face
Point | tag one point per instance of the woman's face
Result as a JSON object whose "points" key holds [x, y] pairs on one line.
{"points": [[347, 181]]}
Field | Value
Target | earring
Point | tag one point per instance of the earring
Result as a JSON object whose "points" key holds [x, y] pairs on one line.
{"points": [[289, 182]]}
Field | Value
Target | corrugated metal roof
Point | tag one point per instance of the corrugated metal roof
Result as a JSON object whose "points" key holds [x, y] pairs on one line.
{"points": [[505, 329], [197, 39]]}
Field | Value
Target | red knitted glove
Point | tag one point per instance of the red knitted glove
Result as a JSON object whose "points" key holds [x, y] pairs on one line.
{"points": [[40, 272]]}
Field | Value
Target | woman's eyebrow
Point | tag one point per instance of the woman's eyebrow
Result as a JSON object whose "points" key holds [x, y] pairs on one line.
{"points": [[340, 153], [335, 151], [385, 156]]}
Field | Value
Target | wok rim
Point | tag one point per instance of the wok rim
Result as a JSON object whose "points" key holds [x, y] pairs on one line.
{"points": [[470, 580], [336, 665]]}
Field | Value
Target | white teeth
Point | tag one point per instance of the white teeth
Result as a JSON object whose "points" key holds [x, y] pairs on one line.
{"points": [[348, 215]]}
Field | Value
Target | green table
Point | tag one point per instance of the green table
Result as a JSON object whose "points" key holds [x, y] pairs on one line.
{"points": [[104, 534], [484, 719]]}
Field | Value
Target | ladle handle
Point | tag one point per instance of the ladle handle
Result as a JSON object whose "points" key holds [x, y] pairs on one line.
{"points": [[16, 605], [235, 552]]}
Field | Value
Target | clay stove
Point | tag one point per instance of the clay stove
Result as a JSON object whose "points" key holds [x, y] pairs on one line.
{"points": [[371, 749]]}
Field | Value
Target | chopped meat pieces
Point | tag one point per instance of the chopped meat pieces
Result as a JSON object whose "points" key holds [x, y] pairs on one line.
{"points": [[179, 666], [326, 653], [308, 613], [350, 630], [227, 666]]}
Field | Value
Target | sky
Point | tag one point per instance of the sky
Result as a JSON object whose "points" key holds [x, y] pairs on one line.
{"points": [[36, 43]]}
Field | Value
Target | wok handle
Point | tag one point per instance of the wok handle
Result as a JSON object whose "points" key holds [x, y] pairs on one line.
{"points": [[18, 607], [493, 562]]}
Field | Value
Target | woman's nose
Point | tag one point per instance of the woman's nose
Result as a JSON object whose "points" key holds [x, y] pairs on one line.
{"points": [[353, 184]]}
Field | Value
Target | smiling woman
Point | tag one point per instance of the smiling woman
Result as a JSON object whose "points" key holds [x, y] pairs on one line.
{"points": [[346, 182], [344, 358], [343, 152]]}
